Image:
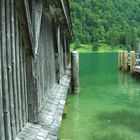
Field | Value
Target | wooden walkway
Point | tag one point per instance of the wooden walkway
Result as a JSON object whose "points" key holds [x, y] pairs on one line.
{"points": [[50, 115]]}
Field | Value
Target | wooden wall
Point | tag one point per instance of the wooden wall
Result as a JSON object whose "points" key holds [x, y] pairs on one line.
{"points": [[13, 90], [27, 79], [46, 59]]}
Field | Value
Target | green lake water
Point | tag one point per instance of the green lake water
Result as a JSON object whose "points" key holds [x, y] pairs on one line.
{"points": [[108, 106]]}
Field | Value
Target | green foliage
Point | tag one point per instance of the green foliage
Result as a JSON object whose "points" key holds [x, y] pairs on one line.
{"points": [[98, 47], [111, 21], [95, 46], [77, 44]]}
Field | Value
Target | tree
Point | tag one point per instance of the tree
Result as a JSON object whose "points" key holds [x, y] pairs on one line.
{"points": [[111, 21]]}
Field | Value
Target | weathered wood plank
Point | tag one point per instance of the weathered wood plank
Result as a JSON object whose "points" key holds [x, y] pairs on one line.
{"points": [[14, 71], [32, 89], [2, 133], [41, 61], [29, 24], [22, 81], [4, 75], [27, 33], [18, 72], [66, 16], [75, 72], [9, 65], [54, 32], [28, 41], [36, 22], [25, 85]]}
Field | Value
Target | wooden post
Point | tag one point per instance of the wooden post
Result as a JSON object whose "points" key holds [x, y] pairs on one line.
{"points": [[6, 108], [9, 65], [75, 72], [120, 60], [2, 133], [132, 61], [31, 89], [14, 70], [125, 60]]}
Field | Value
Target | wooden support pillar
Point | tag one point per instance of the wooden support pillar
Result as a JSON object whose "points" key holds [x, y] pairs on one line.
{"points": [[120, 59], [5, 93], [125, 55], [75, 72], [32, 89], [132, 61], [30, 42], [2, 133]]}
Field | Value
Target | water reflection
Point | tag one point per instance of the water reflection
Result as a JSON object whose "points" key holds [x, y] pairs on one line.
{"points": [[108, 107], [128, 86], [72, 119]]}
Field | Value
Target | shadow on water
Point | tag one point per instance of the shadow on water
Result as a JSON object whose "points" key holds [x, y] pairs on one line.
{"points": [[127, 118]]}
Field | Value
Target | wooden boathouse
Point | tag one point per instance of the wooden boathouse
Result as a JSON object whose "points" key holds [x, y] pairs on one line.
{"points": [[35, 73]]}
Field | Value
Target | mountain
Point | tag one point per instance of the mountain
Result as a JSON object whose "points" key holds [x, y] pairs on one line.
{"points": [[115, 22]]}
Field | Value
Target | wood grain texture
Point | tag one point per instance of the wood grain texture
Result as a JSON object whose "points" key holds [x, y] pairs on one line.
{"points": [[6, 108], [9, 67], [75, 72], [2, 133], [132, 62], [125, 60], [14, 62]]}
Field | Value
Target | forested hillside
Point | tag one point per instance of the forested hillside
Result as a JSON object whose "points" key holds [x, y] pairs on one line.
{"points": [[115, 22]]}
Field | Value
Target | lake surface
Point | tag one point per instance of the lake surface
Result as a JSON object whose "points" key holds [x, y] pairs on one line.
{"points": [[108, 106]]}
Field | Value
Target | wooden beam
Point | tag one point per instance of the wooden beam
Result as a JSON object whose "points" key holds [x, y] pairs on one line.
{"points": [[29, 23], [2, 133], [18, 70], [25, 24], [9, 72], [66, 16], [32, 89], [26, 28], [36, 21], [14, 71], [4, 73]]}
